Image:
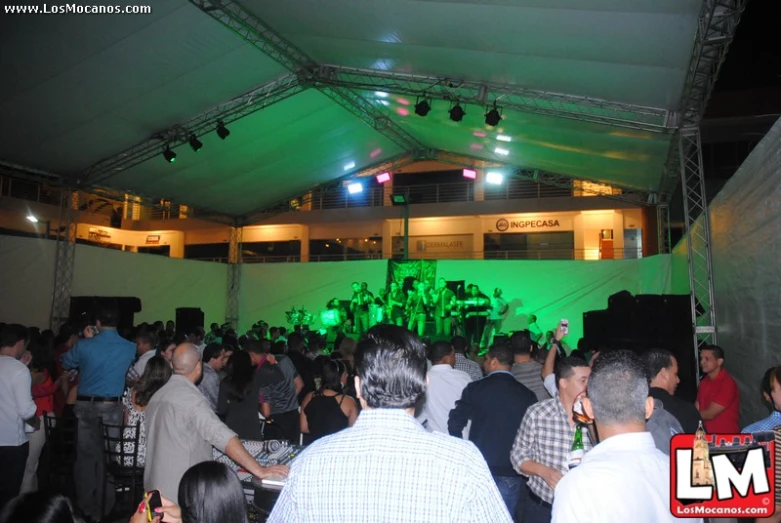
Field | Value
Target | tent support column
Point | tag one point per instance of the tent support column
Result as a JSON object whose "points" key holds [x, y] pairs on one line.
{"points": [[663, 240], [64, 258], [234, 277]]}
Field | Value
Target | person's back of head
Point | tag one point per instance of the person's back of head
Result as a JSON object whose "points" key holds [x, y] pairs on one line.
{"points": [[459, 344], [240, 375], [211, 351], [391, 366], [295, 342], [210, 492], [156, 374], [11, 335], [256, 347], [618, 390], [502, 354], [186, 360], [521, 344], [108, 316], [39, 507], [439, 351], [656, 360]]}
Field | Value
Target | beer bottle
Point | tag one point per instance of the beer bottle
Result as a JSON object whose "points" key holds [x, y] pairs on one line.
{"points": [[577, 451]]}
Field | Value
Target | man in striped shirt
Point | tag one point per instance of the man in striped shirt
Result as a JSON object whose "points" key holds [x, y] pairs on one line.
{"points": [[543, 442]]}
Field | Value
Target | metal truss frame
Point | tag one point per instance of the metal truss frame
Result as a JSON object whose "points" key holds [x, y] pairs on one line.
{"points": [[232, 303], [696, 215], [663, 240], [580, 108], [64, 259]]}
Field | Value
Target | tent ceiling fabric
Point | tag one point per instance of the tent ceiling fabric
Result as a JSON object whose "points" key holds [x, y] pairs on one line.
{"points": [[85, 88], [269, 156]]}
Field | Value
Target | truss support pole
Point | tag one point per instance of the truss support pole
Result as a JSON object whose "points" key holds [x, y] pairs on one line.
{"points": [[234, 277], [64, 258], [695, 206], [664, 242]]}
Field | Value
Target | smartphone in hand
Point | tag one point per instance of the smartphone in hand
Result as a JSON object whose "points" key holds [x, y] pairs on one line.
{"points": [[153, 502]]}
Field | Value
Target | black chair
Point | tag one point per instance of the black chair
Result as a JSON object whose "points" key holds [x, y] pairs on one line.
{"points": [[120, 456], [60, 452]]}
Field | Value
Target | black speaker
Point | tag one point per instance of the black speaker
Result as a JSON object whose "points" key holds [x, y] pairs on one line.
{"points": [[621, 312], [596, 329], [188, 318], [648, 318], [85, 308]]}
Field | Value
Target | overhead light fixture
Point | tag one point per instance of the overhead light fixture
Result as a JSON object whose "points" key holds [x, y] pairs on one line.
{"points": [[399, 199], [349, 166], [386, 103], [504, 138], [422, 107], [384, 177], [493, 117], [381, 94], [222, 131], [195, 143], [470, 173], [355, 188], [457, 112], [502, 152], [32, 218], [494, 178], [169, 155]]}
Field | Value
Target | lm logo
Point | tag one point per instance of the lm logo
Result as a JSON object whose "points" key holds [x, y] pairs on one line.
{"points": [[722, 475]]}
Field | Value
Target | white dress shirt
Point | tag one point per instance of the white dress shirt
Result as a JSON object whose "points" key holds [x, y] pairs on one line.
{"points": [[623, 478], [16, 401], [140, 365], [445, 386]]}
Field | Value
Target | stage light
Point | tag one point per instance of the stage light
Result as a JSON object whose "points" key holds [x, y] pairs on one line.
{"points": [[470, 173], [384, 177], [195, 143], [399, 199], [422, 107], [457, 112], [349, 166], [504, 138], [169, 155], [32, 218], [380, 94], [354, 188], [493, 117], [222, 131], [502, 152], [494, 178]]}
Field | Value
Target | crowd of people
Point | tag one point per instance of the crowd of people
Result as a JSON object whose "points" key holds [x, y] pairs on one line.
{"points": [[398, 428]]}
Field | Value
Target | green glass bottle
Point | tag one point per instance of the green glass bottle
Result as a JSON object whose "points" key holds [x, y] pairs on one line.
{"points": [[577, 451]]}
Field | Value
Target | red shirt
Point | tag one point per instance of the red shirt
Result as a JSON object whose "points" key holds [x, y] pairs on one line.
{"points": [[724, 391], [43, 394]]}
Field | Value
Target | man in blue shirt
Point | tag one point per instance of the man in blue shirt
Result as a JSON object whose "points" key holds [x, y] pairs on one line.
{"points": [[103, 362]]}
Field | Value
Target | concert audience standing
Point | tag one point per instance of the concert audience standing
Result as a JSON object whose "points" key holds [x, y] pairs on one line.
{"points": [[770, 387], [213, 362], [145, 345], [165, 348], [157, 372], [182, 428], [527, 371], [196, 336], [624, 477], [39, 507], [463, 363], [281, 394], [496, 406], [102, 362], [662, 368], [543, 442], [391, 467], [718, 399], [328, 410], [239, 399], [296, 351], [445, 386], [17, 408]]}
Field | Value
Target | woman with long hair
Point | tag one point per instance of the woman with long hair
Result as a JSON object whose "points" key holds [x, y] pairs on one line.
{"points": [[239, 398], [209, 492], [328, 409], [39, 507], [156, 374]]}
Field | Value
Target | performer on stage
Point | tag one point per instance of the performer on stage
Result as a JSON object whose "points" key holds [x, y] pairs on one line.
{"points": [[493, 325], [476, 308], [359, 307], [417, 308], [395, 301], [443, 299], [340, 316]]}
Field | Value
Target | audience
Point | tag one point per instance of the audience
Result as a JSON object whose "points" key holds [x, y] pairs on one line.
{"points": [[239, 399], [770, 387], [463, 363], [213, 362], [718, 399], [328, 409], [281, 394], [39, 507], [527, 371], [662, 369], [445, 385], [145, 350]]}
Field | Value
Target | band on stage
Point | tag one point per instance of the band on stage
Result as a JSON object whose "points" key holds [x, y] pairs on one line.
{"points": [[431, 309]]}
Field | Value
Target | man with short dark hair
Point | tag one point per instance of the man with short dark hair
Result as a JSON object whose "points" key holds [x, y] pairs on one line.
{"points": [[393, 469], [662, 369], [624, 477], [213, 363], [445, 385], [463, 363], [496, 405], [542, 446], [527, 371], [17, 410], [103, 362], [718, 398], [145, 351]]}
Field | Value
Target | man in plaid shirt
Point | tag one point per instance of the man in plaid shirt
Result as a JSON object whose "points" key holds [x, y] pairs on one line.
{"points": [[387, 467], [543, 442]]}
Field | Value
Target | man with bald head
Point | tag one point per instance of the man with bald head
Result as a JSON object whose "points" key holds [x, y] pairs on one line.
{"points": [[182, 428]]}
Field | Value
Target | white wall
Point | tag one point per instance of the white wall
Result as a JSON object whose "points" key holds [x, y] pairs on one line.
{"points": [[26, 280]]}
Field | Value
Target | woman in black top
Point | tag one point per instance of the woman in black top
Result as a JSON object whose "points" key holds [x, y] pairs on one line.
{"points": [[239, 401], [328, 410]]}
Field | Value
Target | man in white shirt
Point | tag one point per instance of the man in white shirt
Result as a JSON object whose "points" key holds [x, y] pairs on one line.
{"points": [[624, 477], [445, 386], [145, 351], [16, 409]]}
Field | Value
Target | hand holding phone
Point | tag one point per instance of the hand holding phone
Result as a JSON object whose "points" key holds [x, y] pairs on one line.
{"points": [[564, 327], [153, 502]]}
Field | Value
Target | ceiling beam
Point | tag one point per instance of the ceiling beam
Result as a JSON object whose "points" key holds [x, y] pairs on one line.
{"points": [[230, 111], [716, 26], [30, 173], [581, 108]]}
